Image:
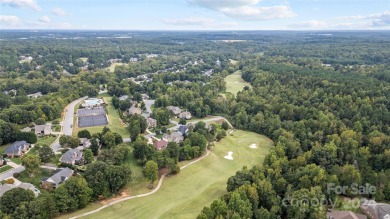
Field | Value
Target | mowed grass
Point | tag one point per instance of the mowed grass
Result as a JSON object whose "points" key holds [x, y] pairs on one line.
{"points": [[113, 65], [235, 83], [113, 121], [47, 140], [184, 195]]}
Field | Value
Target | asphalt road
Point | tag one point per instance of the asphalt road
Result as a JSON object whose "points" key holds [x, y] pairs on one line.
{"points": [[67, 123]]}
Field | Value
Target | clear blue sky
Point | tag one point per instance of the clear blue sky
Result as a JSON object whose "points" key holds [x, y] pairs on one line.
{"points": [[196, 14]]}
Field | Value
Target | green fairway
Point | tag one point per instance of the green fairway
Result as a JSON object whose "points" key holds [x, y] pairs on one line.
{"points": [[113, 121], [184, 195], [235, 83]]}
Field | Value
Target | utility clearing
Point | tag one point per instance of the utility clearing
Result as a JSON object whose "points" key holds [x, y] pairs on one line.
{"points": [[235, 83], [184, 195]]}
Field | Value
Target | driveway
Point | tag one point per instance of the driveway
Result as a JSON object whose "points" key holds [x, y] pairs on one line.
{"points": [[148, 105], [11, 172]]}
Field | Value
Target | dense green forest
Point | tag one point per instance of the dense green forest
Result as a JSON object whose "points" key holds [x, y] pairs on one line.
{"points": [[323, 98]]}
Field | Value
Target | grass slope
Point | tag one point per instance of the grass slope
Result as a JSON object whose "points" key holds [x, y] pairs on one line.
{"points": [[235, 83], [184, 195], [113, 65]]}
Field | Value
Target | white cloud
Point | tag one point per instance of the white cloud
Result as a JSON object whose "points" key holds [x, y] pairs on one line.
{"points": [[199, 21], [245, 9], [44, 19], [9, 20], [59, 12], [22, 4], [259, 13], [377, 20]]}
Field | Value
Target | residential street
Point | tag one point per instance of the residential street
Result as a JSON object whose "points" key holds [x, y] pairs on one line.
{"points": [[67, 123]]}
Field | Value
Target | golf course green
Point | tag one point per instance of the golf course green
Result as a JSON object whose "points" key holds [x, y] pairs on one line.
{"points": [[184, 195]]}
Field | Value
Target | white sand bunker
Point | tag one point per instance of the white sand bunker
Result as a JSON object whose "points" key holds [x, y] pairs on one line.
{"points": [[253, 146], [229, 156]]}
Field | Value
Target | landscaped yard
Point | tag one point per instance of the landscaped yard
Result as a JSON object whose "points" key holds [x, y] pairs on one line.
{"points": [[5, 168], [113, 121], [36, 180], [184, 195], [235, 83]]}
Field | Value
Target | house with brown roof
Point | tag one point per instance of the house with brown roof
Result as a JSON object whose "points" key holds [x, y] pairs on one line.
{"points": [[332, 214], [161, 144]]}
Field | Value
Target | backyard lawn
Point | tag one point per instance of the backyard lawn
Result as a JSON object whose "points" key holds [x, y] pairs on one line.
{"points": [[185, 194], [47, 140]]}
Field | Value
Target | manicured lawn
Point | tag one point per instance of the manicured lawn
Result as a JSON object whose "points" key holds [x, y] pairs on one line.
{"points": [[47, 140], [16, 160], [3, 148], [113, 121], [184, 195], [36, 180], [235, 83], [5, 168]]}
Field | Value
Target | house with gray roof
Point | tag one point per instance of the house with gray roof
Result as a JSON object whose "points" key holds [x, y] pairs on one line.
{"points": [[35, 95], [375, 210], [27, 129], [73, 157], [134, 110], [173, 137], [123, 97], [185, 115], [59, 176], [183, 129], [17, 149], [331, 214], [42, 130], [152, 123]]}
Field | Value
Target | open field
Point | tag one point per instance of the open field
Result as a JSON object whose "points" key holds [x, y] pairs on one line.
{"points": [[113, 65], [235, 83], [113, 121], [184, 195]]}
